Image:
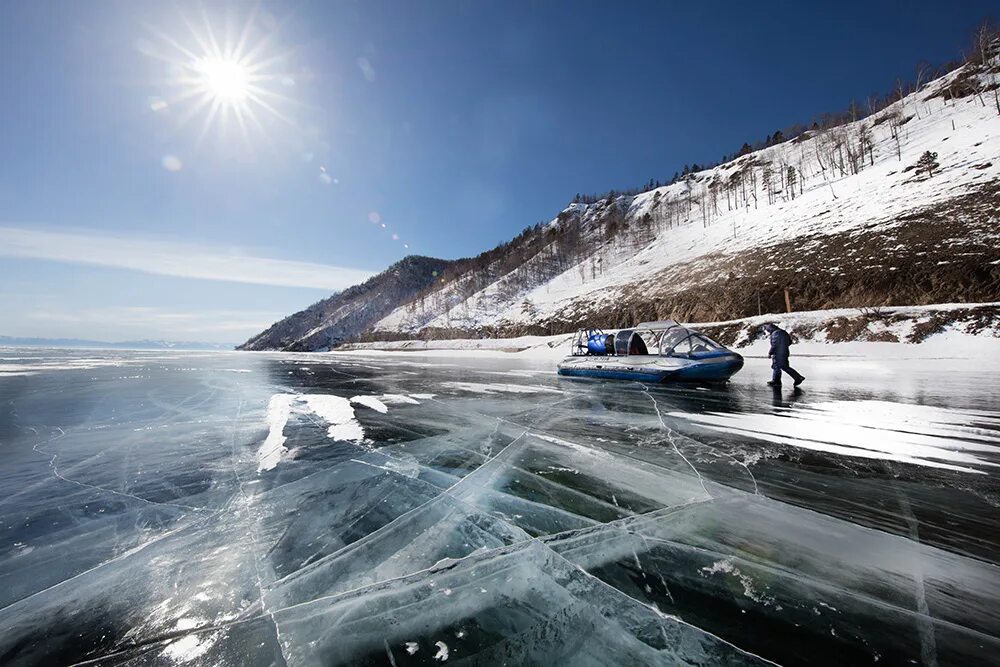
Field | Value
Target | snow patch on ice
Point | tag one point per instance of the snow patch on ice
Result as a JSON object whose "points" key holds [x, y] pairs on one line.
{"points": [[187, 623], [483, 388], [278, 411], [370, 402], [188, 648], [442, 652], [726, 566], [335, 410], [338, 413], [399, 399]]}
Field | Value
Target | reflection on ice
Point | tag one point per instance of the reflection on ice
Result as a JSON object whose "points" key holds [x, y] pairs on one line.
{"points": [[329, 512], [914, 434]]}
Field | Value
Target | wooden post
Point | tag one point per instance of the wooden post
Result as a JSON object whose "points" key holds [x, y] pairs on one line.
{"points": [[788, 300]]}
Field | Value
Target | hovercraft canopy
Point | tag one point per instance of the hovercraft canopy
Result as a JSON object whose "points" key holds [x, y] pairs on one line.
{"points": [[681, 342]]}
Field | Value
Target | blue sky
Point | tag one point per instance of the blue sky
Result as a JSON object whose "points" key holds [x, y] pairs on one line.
{"points": [[125, 211]]}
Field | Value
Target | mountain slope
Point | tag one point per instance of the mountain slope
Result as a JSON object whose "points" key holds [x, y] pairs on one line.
{"points": [[348, 313], [841, 217]]}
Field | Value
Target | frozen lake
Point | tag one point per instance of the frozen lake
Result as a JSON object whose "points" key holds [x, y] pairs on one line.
{"points": [[254, 509]]}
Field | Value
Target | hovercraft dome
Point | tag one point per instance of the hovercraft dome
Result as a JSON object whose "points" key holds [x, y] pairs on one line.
{"points": [[658, 325], [621, 341]]}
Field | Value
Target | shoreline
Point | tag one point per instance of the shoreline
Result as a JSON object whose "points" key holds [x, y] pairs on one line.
{"points": [[943, 331]]}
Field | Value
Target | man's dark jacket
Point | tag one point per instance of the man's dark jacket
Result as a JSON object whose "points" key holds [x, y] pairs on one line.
{"points": [[780, 340]]}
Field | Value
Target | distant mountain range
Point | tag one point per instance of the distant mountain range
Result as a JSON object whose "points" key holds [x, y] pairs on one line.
{"points": [[896, 208], [14, 341]]}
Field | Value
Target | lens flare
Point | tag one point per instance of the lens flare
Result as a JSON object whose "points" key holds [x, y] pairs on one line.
{"points": [[172, 163]]}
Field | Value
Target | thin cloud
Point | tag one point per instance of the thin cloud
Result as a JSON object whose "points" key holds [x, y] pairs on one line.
{"points": [[168, 258], [156, 322], [366, 68]]}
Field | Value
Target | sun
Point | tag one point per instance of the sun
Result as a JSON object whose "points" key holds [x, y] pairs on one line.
{"points": [[227, 81], [224, 77]]}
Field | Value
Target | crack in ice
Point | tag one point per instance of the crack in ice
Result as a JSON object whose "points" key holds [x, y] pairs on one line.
{"points": [[670, 438]]}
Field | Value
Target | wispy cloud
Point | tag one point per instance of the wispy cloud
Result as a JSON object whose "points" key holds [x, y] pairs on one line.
{"points": [[116, 322], [170, 258]]}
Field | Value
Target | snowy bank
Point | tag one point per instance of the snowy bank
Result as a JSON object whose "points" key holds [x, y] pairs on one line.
{"points": [[964, 331]]}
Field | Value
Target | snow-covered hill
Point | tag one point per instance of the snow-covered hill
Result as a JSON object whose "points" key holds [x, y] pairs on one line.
{"points": [[348, 313], [841, 217], [898, 208]]}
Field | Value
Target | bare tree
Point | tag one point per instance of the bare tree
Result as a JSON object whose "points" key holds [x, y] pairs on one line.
{"points": [[767, 177], [865, 143], [980, 56], [922, 69], [986, 54], [895, 128], [819, 157]]}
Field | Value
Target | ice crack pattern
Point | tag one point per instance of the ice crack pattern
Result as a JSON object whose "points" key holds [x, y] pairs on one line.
{"points": [[318, 510]]}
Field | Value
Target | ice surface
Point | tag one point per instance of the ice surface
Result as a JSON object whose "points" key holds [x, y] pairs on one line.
{"points": [[323, 510], [917, 434]]}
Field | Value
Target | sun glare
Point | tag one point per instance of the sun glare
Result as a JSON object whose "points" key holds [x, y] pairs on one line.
{"points": [[221, 78], [226, 80]]}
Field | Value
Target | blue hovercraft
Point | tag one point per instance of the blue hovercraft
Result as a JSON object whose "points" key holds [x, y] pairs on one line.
{"points": [[681, 354]]}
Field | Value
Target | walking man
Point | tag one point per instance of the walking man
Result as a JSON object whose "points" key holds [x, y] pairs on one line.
{"points": [[780, 340]]}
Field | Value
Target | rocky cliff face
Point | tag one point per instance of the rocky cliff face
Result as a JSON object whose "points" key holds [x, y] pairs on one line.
{"points": [[348, 313]]}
